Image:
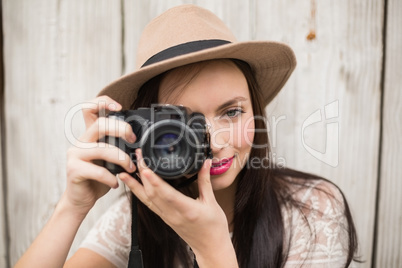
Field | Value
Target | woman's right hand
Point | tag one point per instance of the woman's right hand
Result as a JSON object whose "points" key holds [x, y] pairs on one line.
{"points": [[87, 181]]}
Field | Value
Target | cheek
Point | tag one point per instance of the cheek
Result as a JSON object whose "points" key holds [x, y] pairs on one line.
{"points": [[245, 135]]}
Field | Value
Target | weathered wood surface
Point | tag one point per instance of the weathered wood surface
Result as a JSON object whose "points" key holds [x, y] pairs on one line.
{"points": [[3, 218], [60, 53], [57, 55], [329, 113], [3, 238], [389, 236]]}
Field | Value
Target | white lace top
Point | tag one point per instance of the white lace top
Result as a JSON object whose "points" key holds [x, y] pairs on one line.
{"points": [[320, 242]]}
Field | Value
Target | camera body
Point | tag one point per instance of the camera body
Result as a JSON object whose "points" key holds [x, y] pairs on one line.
{"points": [[174, 141]]}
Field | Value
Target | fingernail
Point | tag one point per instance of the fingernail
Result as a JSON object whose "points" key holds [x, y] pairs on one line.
{"points": [[132, 166], [132, 138], [111, 107], [117, 182], [138, 154], [116, 106]]}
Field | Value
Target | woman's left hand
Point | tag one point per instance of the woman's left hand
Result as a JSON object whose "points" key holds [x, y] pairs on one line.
{"points": [[200, 222]]}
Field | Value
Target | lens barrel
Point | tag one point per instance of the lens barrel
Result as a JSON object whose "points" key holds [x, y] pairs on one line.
{"points": [[174, 143]]}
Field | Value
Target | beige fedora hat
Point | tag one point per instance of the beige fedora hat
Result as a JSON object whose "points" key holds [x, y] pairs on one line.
{"points": [[186, 34]]}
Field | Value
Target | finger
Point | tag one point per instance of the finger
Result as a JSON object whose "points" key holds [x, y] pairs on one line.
{"points": [[143, 167], [81, 171], [138, 190], [104, 126], [141, 164], [150, 179], [147, 175], [102, 151], [99, 105], [167, 199], [204, 182]]}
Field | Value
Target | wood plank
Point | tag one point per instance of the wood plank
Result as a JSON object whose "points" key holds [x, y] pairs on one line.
{"points": [[3, 216], [339, 50], [3, 223], [389, 235], [57, 54], [326, 120]]}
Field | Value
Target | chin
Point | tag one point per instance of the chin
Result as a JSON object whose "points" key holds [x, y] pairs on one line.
{"points": [[223, 181]]}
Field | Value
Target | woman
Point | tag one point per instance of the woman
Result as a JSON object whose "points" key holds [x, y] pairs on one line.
{"points": [[241, 211]]}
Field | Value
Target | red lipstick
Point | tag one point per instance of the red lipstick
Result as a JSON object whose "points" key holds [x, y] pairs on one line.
{"points": [[221, 167]]}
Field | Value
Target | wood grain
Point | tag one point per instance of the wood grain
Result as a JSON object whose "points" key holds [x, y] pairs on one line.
{"points": [[3, 239], [3, 217], [3, 223], [326, 120], [57, 54], [389, 236]]}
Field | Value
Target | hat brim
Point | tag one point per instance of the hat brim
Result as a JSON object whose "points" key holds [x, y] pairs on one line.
{"points": [[272, 63]]}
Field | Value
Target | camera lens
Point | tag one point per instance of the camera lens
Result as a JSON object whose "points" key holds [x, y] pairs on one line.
{"points": [[167, 146]]}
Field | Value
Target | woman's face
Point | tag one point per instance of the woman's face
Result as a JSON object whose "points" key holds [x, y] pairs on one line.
{"points": [[219, 90]]}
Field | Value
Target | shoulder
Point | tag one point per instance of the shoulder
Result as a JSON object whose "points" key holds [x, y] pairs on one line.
{"points": [[111, 236], [315, 223], [314, 200], [315, 195]]}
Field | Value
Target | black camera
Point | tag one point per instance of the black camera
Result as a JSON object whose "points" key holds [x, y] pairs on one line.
{"points": [[174, 141]]}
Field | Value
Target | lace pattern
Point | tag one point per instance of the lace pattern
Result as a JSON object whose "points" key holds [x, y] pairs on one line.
{"points": [[111, 236], [317, 235]]}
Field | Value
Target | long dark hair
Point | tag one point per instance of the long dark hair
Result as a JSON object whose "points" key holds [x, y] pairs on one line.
{"points": [[259, 232]]}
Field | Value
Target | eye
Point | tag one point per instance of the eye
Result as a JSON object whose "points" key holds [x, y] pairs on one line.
{"points": [[234, 112]]}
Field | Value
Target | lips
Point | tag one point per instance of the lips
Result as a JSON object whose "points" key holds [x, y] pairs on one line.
{"points": [[221, 167]]}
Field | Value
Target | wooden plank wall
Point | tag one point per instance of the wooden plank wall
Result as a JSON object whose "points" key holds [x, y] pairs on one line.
{"points": [[3, 228], [389, 236], [3, 216], [327, 120], [58, 54]]}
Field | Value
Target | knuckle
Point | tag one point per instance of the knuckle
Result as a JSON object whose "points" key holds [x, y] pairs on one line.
{"points": [[128, 163], [150, 192], [71, 152], [70, 167], [169, 198], [123, 130], [191, 216], [127, 128], [99, 126], [100, 122], [101, 173]]}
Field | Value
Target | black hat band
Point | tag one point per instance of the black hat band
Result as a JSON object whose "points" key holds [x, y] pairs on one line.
{"points": [[183, 49]]}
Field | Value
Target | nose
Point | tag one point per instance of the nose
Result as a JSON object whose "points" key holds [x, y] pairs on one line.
{"points": [[219, 138]]}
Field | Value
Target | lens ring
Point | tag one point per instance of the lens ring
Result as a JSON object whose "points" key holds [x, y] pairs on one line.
{"points": [[167, 145], [165, 167]]}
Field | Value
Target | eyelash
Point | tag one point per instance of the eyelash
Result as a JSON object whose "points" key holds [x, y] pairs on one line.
{"points": [[238, 111]]}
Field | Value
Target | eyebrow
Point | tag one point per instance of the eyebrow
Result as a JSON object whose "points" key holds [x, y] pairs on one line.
{"points": [[231, 102]]}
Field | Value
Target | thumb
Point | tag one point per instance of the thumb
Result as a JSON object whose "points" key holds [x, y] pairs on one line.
{"points": [[204, 182]]}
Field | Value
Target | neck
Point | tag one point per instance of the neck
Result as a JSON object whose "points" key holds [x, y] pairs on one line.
{"points": [[226, 200]]}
